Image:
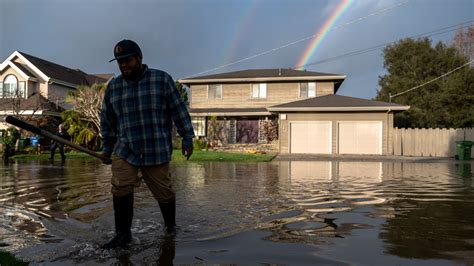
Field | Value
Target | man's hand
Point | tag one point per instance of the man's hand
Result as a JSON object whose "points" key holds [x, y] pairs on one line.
{"points": [[187, 152], [106, 158]]}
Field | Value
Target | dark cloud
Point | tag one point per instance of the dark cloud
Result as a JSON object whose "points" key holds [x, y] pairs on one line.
{"points": [[185, 37]]}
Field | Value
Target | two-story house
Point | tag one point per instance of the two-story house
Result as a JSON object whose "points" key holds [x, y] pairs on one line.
{"points": [[33, 86], [311, 117]]}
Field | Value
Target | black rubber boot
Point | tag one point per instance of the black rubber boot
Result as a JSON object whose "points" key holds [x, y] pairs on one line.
{"points": [[168, 210], [123, 212]]}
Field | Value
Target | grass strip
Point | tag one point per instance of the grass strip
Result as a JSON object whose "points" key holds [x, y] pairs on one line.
{"points": [[198, 156]]}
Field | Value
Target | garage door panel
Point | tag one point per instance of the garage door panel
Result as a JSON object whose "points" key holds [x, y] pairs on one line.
{"points": [[360, 137], [310, 137]]}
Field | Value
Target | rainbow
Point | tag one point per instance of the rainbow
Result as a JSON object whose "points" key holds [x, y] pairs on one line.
{"points": [[247, 15], [321, 33]]}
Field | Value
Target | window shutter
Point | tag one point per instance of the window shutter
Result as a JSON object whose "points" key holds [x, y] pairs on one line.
{"points": [[311, 89], [303, 89], [263, 90], [255, 90]]}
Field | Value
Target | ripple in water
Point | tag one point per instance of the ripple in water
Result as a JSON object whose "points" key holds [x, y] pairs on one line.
{"points": [[298, 202]]}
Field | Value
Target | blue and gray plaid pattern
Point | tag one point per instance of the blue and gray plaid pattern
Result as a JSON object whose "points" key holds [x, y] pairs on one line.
{"points": [[137, 118]]}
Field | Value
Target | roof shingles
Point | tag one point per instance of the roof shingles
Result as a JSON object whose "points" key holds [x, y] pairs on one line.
{"points": [[62, 73], [333, 100], [264, 73], [23, 68]]}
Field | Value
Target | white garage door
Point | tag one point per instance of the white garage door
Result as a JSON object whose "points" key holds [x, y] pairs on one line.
{"points": [[310, 137], [361, 137]]}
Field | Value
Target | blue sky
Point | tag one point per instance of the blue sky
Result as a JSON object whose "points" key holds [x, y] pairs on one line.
{"points": [[186, 37]]}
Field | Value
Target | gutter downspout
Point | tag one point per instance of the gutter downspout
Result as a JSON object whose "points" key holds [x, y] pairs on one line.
{"points": [[387, 131]]}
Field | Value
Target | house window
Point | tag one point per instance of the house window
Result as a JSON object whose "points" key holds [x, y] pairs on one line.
{"points": [[259, 90], [214, 91], [11, 88], [308, 89], [199, 125]]}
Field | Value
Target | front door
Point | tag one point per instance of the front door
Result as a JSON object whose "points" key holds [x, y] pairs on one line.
{"points": [[247, 131]]}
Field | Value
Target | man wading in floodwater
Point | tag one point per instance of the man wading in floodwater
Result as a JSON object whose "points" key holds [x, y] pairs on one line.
{"points": [[136, 125]]}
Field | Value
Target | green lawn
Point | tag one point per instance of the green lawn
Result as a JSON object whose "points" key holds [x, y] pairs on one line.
{"points": [[57, 156], [223, 156], [177, 156]]}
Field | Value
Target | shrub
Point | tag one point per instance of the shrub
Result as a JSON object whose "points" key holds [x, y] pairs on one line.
{"points": [[200, 144], [8, 139], [177, 143]]}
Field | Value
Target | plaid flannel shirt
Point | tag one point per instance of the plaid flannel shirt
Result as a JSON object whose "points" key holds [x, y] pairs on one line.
{"points": [[136, 119]]}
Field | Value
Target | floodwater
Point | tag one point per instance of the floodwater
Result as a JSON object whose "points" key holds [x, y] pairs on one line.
{"points": [[282, 212]]}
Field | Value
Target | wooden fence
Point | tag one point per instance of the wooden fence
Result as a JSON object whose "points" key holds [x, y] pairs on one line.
{"points": [[434, 142]]}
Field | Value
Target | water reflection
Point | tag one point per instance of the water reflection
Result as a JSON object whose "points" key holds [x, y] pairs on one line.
{"points": [[164, 254], [328, 186], [435, 218], [426, 207], [166, 251], [410, 210]]}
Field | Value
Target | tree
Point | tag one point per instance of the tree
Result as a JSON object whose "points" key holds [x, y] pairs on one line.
{"points": [[82, 132], [183, 92], [447, 102], [83, 120], [270, 130], [215, 132], [463, 42], [87, 101]]}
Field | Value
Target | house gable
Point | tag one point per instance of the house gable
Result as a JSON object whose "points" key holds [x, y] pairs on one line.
{"points": [[12, 68], [19, 59]]}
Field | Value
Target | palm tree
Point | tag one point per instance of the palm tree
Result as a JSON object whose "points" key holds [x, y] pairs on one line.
{"points": [[82, 132], [83, 120]]}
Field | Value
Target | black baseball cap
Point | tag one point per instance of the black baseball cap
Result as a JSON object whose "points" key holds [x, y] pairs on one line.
{"points": [[126, 48]]}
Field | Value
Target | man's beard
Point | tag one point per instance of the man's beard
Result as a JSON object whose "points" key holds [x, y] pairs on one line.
{"points": [[133, 75]]}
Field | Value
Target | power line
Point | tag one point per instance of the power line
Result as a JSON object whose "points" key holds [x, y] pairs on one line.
{"points": [[380, 46], [378, 12], [390, 96]]}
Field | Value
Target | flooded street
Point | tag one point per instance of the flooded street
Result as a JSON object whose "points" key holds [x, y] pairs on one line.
{"points": [[282, 212]]}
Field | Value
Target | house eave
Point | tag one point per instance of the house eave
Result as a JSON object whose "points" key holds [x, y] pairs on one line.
{"points": [[229, 113], [64, 83], [338, 109], [260, 79], [22, 112]]}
